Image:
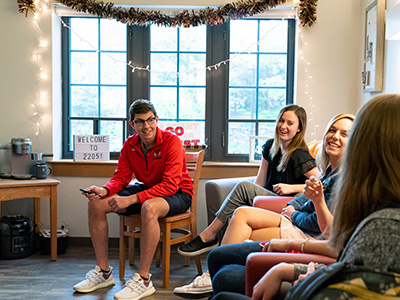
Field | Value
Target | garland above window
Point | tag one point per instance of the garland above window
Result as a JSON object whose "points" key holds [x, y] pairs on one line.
{"points": [[186, 18]]}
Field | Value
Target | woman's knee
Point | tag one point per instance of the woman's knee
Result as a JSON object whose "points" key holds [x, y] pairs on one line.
{"points": [[244, 185], [229, 278], [241, 213], [214, 257]]}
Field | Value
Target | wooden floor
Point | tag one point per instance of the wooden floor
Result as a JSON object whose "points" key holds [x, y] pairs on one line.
{"points": [[37, 278]]}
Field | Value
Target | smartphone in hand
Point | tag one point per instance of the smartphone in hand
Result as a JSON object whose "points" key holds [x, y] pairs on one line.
{"points": [[88, 192]]}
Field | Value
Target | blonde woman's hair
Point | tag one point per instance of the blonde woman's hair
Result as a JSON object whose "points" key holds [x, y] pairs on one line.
{"points": [[322, 157], [296, 142], [370, 179]]}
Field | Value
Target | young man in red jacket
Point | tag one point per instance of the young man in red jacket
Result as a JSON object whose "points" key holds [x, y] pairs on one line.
{"points": [[157, 160]]}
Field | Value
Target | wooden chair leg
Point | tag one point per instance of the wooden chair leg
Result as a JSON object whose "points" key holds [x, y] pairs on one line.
{"points": [[158, 255], [131, 249], [198, 264], [122, 249], [187, 261], [166, 254]]}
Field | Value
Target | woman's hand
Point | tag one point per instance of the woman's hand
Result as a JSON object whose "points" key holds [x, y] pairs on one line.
{"points": [[276, 245], [310, 270], [269, 285], [282, 189], [313, 190], [287, 211]]}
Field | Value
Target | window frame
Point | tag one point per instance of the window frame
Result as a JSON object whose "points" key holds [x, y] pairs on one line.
{"points": [[217, 102]]}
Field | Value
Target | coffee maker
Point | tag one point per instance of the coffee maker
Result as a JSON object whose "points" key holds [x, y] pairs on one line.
{"points": [[15, 159]]}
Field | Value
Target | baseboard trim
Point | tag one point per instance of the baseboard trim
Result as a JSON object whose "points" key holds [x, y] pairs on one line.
{"points": [[87, 242]]}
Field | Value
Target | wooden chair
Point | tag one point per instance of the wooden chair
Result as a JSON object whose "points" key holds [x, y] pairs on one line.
{"points": [[184, 226]]}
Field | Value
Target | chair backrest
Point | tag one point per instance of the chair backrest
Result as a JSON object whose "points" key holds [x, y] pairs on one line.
{"points": [[194, 162], [313, 148]]}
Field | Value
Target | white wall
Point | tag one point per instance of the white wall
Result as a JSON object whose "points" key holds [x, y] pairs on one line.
{"points": [[392, 60], [333, 47]]}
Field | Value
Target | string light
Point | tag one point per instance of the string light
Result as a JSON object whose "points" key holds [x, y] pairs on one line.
{"points": [[44, 6], [134, 68], [42, 45], [308, 97]]}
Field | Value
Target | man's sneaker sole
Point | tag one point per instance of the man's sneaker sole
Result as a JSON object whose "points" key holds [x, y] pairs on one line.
{"points": [[198, 252], [145, 294], [99, 286]]}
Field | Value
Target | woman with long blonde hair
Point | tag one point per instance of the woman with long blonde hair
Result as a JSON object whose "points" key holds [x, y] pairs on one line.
{"points": [[306, 216], [285, 166], [366, 209]]}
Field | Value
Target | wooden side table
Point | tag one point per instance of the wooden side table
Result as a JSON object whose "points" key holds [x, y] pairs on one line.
{"points": [[11, 189]]}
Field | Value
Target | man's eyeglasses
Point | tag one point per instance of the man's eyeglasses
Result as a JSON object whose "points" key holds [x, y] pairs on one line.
{"points": [[149, 121]]}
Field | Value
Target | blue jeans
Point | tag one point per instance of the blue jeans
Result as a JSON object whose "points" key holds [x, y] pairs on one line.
{"points": [[230, 296], [227, 266]]}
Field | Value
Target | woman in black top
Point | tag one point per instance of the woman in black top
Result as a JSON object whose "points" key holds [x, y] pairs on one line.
{"points": [[285, 166]]}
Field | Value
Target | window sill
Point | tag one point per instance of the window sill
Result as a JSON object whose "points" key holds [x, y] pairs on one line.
{"points": [[210, 170]]}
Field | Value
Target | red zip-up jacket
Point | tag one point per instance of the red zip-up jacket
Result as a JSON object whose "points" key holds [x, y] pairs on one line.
{"points": [[163, 170]]}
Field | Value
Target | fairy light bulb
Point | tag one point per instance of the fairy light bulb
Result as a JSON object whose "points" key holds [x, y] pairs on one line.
{"points": [[43, 43]]}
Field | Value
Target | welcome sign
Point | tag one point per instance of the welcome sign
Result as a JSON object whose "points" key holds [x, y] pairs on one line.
{"points": [[91, 147]]}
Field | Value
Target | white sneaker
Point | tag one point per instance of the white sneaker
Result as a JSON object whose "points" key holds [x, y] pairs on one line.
{"points": [[136, 288], [200, 285], [94, 279]]}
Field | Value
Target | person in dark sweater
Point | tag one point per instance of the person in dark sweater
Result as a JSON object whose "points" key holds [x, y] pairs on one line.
{"points": [[298, 220], [366, 208]]}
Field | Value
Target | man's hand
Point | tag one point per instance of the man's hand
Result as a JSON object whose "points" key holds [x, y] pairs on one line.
{"points": [[282, 189], [118, 203], [98, 193], [287, 211]]}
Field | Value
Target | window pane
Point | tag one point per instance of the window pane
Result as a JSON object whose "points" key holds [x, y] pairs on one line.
{"points": [[163, 69], [164, 100], [113, 68], [272, 70], [79, 127], [243, 35], [84, 68], [266, 129], [256, 148], [178, 75], [112, 35], [193, 38], [271, 102], [192, 68], [263, 67], [84, 101], [113, 102], [195, 99], [163, 38], [238, 135], [242, 103], [84, 35], [273, 36], [243, 70], [115, 130]]}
